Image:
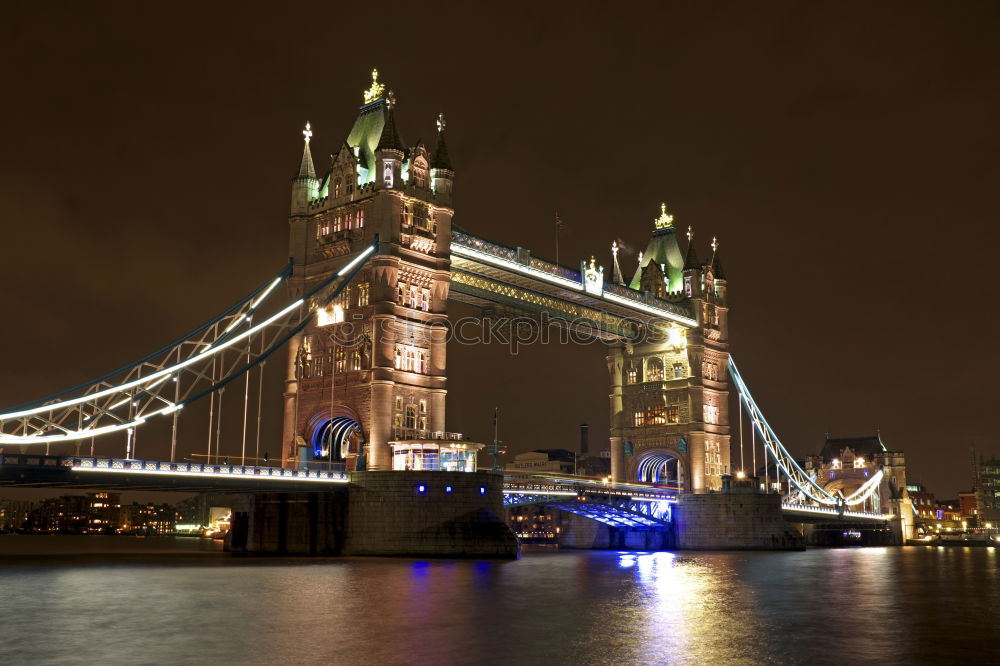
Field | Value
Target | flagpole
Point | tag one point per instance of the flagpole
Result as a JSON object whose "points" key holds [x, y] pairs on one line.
{"points": [[557, 239]]}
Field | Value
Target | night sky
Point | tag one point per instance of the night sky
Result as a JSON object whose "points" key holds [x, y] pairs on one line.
{"points": [[845, 154]]}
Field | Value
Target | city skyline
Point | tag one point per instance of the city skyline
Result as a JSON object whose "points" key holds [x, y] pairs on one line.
{"points": [[173, 196]]}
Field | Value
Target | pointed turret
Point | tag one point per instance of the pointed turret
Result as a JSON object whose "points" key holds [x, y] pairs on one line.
{"points": [[305, 185], [692, 268], [717, 265], [390, 136], [389, 151], [718, 274], [691, 258], [440, 159], [306, 167], [442, 175], [616, 274]]}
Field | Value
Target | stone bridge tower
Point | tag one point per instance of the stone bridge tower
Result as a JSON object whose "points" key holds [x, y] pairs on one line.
{"points": [[371, 367], [670, 396]]}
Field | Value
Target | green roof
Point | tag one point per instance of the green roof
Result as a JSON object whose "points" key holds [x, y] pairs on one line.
{"points": [[664, 250], [367, 131]]}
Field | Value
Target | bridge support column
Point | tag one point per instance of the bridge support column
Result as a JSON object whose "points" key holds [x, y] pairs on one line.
{"points": [[379, 455], [290, 395], [614, 359]]}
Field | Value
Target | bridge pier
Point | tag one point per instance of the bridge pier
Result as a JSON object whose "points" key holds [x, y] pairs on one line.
{"points": [[415, 513], [733, 521]]}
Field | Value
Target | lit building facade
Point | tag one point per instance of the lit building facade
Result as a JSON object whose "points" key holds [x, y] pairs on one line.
{"points": [[846, 464], [670, 393], [371, 368]]}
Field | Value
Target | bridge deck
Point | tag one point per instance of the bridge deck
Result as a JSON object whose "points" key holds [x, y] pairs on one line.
{"points": [[31, 471]]}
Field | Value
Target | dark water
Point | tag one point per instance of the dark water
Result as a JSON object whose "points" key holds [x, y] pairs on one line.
{"points": [[165, 601]]}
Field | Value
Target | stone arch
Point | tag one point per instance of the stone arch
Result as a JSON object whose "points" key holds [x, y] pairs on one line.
{"points": [[661, 466], [338, 431]]}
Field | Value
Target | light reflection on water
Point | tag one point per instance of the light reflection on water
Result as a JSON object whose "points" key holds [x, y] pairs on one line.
{"points": [[152, 602]]}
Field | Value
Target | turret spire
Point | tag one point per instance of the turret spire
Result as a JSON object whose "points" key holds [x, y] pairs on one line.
{"points": [[440, 158], [616, 274], [306, 168], [717, 261], [390, 136], [691, 259]]}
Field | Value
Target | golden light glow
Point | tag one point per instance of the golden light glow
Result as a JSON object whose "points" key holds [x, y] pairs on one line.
{"points": [[665, 220], [329, 315], [741, 474], [375, 91]]}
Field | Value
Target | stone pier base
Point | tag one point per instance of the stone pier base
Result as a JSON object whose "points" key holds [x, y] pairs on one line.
{"points": [[423, 514], [737, 521]]}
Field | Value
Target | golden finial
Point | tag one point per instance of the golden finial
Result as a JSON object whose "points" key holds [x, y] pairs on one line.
{"points": [[715, 244], [307, 132], [690, 233], [375, 91], [440, 122], [665, 220]]}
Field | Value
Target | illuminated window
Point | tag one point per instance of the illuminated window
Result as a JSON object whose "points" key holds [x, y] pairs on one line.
{"points": [[678, 370], [631, 375], [338, 223], [361, 218], [336, 187], [401, 293], [672, 415], [655, 415], [638, 418], [711, 414], [654, 370], [399, 402], [324, 226], [412, 359], [362, 294], [411, 417], [425, 299], [423, 406]]}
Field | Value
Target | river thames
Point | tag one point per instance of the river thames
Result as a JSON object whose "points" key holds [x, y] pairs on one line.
{"points": [[119, 600]]}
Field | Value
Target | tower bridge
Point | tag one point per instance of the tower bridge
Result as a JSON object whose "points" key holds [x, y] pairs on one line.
{"points": [[360, 315]]}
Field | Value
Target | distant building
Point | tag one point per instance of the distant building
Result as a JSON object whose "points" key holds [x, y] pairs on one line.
{"points": [[969, 506], [924, 502], [104, 512], [559, 461], [67, 514], [989, 488], [948, 510], [148, 518], [14, 514], [534, 524]]}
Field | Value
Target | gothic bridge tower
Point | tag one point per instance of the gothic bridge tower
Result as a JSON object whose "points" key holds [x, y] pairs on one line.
{"points": [[371, 367], [670, 396]]}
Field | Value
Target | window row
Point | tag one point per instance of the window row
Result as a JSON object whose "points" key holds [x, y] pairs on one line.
{"points": [[710, 370], [413, 416], [655, 372], [713, 458], [345, 186], [418, 215], [711, 414], [332, 223], [655, 415], [413, 296], [412, 359]]}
